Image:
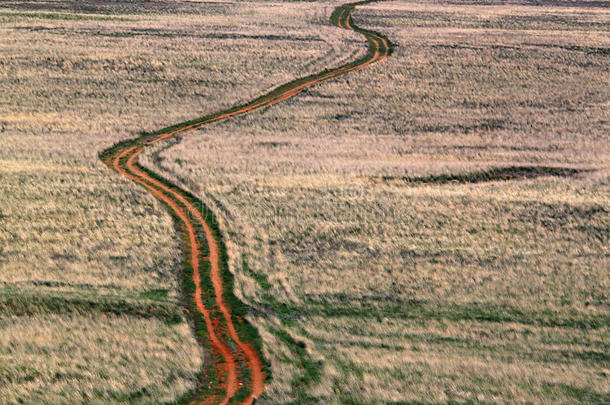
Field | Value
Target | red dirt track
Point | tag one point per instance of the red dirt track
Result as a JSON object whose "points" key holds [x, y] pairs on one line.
{"points": [[229, 349]]}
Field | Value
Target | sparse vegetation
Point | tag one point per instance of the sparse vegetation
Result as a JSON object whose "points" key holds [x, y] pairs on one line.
{"points": [[80, 245], [430, 229], [433, 228], [49, 358]]}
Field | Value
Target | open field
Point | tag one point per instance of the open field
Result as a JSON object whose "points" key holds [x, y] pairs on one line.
{"points": [[72, 359], [381, 260], [373, 232], [82, 247], [237, 371]]}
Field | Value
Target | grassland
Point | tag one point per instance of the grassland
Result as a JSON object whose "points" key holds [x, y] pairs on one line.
{"points": [[89, 262], [381, 262], [433, 228]]}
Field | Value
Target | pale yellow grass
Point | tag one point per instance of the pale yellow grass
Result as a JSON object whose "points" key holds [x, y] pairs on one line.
{"points": [[74, 79], [94, 359], [402, 291]]}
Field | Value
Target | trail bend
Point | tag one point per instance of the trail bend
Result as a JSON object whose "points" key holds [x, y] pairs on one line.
{"points": [[239, 373]]}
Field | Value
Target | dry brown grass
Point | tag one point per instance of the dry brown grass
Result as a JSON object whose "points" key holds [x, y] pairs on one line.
{"points": [[78, 241], [402, 291], [93, 359]]}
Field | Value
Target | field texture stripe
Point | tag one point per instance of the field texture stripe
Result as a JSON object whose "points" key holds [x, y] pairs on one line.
{"points": [[239, 372]]}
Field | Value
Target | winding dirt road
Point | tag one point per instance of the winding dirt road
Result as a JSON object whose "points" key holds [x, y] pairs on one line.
{"points": [[238, 374]]}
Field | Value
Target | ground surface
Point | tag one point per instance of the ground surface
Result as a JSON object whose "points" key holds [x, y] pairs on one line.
{"points": [[80, 245], [373, 235], [369, 278]]}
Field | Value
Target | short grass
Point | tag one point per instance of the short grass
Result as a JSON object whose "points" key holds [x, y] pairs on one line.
{"points": [[92, 358], [89, 261], [433, 228]]}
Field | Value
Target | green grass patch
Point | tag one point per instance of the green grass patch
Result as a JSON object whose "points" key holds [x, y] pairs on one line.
{"points": [[482, 312], [495, 174], [15, 302]]}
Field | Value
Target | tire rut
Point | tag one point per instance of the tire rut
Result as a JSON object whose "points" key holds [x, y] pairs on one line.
{"points": [[238, 364]]}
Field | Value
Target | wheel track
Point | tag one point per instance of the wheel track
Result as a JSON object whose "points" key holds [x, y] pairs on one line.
{"points": [[229, 350]]}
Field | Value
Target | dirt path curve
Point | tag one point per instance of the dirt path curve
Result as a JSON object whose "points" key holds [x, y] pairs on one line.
{"points": [[238, 375]]}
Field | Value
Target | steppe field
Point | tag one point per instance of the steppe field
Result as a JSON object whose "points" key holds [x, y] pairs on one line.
{"points": [[433, 228]]}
